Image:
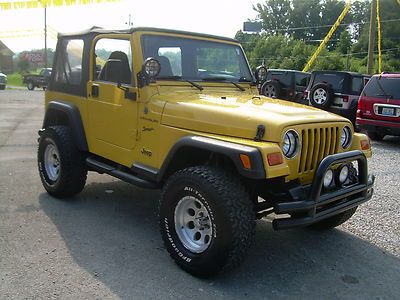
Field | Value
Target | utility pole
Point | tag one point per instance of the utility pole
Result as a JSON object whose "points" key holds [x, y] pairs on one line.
{"points": [[372, 33], [45, 37]]}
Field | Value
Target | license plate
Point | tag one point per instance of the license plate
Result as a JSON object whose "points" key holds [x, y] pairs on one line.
{"points": [[387, 111]]}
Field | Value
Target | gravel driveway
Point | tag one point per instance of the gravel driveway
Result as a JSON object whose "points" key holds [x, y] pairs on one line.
{"points": [[105, 242]]}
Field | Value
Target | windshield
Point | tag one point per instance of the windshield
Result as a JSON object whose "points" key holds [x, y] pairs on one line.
{"points": [[383, 87], [197, 60]]}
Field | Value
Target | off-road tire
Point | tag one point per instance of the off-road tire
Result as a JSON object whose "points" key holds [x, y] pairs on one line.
{"points": [[375, 136], [327, 98], [2, 87], [71, 177], [271, 88], [30, 85], [334, 221], [231, 215]]}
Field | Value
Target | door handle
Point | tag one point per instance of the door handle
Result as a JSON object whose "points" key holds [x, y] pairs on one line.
{"points": [[95, 90]]}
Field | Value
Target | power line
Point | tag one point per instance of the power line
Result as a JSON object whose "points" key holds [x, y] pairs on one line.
{"points": [[325, 56], [329, 26]]}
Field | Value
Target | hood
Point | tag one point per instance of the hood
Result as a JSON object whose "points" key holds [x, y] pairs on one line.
{"points": [[239, 115], [3, 75]]}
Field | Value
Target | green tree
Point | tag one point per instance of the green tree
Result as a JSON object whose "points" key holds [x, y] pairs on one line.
{"points": [[291, 28], [275, 15], [344, 44], [23, 65]]}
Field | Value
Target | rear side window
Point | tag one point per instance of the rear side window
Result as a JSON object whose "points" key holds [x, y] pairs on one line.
{"points": [[385, 87], [283, 78], [69, 73], [69, 62], [336, 81], [357, 84]]}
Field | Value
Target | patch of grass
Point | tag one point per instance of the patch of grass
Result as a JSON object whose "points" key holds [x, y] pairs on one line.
{"points": [[14, 79]]}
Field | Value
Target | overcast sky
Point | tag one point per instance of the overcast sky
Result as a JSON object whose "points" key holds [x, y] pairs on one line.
{"points": [[219, 17]]}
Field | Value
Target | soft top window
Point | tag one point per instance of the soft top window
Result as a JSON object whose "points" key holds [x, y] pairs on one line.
{"points": [[282, 77], [336, 81], [69, 62], [302, 79]]}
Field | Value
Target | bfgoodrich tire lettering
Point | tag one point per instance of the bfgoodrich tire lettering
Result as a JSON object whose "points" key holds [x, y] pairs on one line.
{"points": [[230, 215], [61, 166]]}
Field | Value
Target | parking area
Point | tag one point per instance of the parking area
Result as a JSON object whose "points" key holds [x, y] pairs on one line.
{"points": [[105, 242]]}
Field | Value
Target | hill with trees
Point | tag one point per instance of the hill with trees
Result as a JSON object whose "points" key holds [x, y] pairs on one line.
{"points": [[293, 29]]}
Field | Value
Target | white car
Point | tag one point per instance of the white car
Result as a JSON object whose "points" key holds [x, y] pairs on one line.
{"points": [[3, 81]]}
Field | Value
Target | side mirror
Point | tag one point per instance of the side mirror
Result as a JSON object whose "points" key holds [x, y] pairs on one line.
{"points": [[261, 73], [150, 69]]}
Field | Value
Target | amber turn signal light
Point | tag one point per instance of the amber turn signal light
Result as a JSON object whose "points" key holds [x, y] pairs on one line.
{"points": [[245, 161], [275, 158], [365, 144]]}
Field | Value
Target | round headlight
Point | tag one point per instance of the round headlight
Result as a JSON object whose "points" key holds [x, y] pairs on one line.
{"points": [[345, 137], [328, 178], [343, 174], [261, 73], [290, 144], [151, 67]]}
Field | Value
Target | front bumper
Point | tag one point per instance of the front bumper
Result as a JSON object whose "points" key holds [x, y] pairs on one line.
{"points": [[311, 204]]}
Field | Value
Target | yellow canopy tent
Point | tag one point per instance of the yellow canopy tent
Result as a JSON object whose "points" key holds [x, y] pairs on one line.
{"points": [[27, 4], [18, 4]]}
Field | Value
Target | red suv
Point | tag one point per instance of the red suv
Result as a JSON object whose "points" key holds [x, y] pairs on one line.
{"points": [[378, 110]]}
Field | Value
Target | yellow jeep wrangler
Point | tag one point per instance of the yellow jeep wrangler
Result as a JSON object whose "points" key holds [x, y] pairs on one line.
{"points": [[180, 111]]}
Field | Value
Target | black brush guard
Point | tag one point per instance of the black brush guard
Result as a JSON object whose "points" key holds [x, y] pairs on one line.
{"points": [[314, 206]]}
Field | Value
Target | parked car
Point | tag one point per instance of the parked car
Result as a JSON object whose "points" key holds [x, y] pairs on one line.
{"points": [[285, 84], [3, 81], [37, 80], [378, 109], [336, 91]]}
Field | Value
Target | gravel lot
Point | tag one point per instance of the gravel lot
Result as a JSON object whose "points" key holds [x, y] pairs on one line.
{"points": [[105, 243]]}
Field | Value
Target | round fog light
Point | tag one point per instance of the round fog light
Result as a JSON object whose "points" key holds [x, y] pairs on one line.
{"points": [[328, 178], [343, 174]]}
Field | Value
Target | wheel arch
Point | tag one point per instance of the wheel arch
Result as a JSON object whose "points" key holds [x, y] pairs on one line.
{"points": [[61, 113], [196, 150]]}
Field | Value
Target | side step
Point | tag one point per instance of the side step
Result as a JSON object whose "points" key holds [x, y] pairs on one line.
{"points": [[103, 167]]}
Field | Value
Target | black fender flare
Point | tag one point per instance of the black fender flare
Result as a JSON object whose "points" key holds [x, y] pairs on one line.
{"points": [[62, 113], [229, 149]]}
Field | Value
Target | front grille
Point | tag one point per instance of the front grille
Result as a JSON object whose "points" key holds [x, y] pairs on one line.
{"points": [[316, 144]]}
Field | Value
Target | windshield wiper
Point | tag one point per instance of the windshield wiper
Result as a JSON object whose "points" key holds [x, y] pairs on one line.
{"points": [[238, 86], [217, 78], [195, 85], [198, 86]]}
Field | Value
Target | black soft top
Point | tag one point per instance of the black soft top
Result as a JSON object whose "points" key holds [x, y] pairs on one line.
{"points": [[341, 72], [287, 70], [98, 30]]}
